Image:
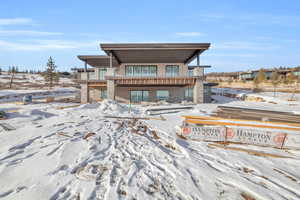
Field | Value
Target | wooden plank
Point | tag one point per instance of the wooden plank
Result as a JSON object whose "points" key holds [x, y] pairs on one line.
{"points": [[220, 123], [239, 120]]}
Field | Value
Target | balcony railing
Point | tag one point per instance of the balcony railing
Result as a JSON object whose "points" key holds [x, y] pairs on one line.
{"points": [[125, 80]]}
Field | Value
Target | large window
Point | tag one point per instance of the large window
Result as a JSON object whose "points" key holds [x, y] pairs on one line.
{"points": [[190, 72], [188, 94], [141, 70], [162, 94], [172, 70], [139, 95], [102, 72], [103, 94]]}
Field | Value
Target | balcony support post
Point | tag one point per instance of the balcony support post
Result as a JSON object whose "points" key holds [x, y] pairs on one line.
{"points": [[198, 90], [111, 84], [84, 98]]}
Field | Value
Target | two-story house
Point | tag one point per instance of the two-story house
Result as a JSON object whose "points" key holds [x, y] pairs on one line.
{"points": [[136, 72]]}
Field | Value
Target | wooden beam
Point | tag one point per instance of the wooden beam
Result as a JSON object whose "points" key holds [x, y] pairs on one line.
{"points": [[191, 57], [239, 120], [207, 122], [116, 57]]}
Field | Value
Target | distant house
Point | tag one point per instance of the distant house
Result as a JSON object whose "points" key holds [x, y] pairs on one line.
{"points": [[246, 75], [138, 72], [250, 75], [297, 72]]}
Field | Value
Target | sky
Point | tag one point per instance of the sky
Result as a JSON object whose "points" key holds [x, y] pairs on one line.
{"points": [[243, 34]]}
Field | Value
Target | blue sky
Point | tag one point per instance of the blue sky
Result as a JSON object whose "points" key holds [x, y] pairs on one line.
{"points": [[243, 34]]}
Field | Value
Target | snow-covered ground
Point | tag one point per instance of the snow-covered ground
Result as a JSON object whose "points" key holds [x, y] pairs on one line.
{"points": [[280, 97], [49, 156], [23, 81], [28, 78], [17, 95], [34, 85]]}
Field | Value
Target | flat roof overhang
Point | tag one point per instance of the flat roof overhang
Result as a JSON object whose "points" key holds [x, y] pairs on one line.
{"points": [[154, 52], [200, 66], [97, 60]]}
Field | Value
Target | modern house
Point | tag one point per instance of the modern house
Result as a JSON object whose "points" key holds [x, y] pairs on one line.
{"points": [[137, 72], [283, 72]]}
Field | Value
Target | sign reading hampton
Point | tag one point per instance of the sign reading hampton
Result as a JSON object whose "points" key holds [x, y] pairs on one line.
{"points": [[255, 136], [235, 134]]}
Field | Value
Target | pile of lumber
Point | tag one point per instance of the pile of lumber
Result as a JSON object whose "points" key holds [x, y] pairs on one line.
{"points": [[2, 115], [167, 110], [256, 114]]}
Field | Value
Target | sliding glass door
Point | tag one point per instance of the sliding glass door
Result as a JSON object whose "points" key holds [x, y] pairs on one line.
{"points": [[139, 95]]}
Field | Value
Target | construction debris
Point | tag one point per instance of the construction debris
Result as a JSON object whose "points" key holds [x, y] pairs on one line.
{"points": [[3, 115], [204, 128], [63, 134], [88, 135], [167, 110], [7, 127], [221, 123], [241, 120], [137, 118], [256, 114], [64, 107]]}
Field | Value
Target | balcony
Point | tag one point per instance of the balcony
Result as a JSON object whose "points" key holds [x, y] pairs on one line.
{"points": [[179, 81]]}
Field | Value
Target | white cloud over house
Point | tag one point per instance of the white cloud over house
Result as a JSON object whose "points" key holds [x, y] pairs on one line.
{"points": [[15, 21]]}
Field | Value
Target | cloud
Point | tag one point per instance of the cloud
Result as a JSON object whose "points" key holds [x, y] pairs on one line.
{"points": [[15, 21], [241, 55], [237, 45], [251, 19], [28, 33], [40, 45], [190, 34]]}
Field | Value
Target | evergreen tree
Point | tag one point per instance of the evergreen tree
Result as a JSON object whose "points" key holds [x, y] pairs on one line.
{"points": [[50, 74]]}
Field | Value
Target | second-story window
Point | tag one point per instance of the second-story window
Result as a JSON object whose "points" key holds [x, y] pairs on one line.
{"points": [[102, 72], [172, 70], [190, 72], [141, 70]]}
